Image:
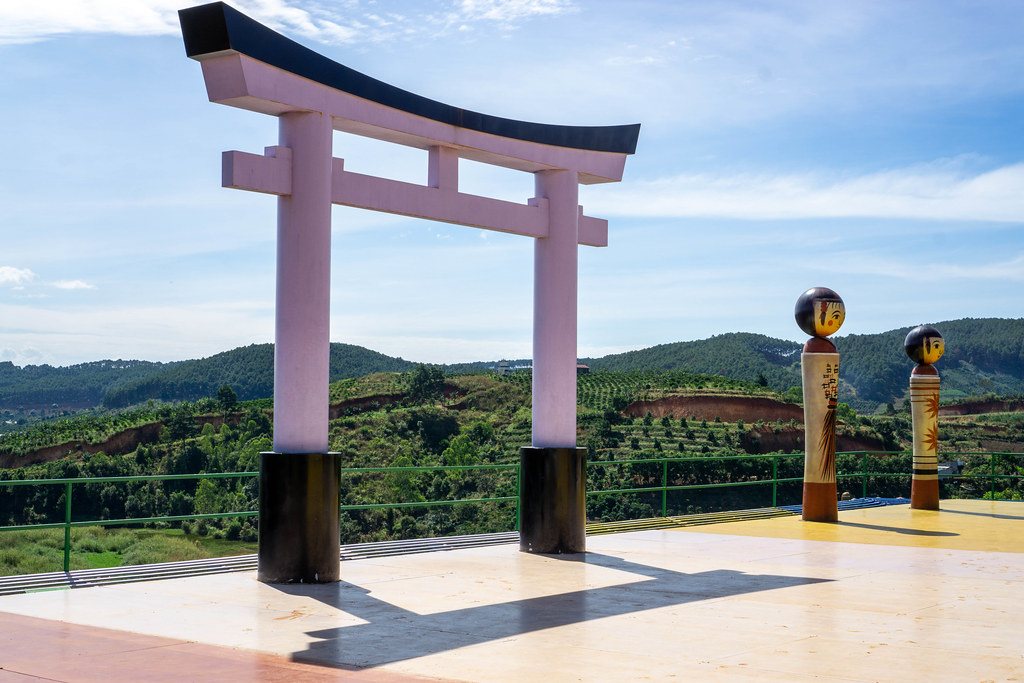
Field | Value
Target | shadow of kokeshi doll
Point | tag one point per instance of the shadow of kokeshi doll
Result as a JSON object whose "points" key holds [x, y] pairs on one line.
{"points": [[924, 345], [820, 312]]}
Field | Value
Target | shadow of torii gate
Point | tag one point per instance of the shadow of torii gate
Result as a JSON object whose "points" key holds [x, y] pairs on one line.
{"points": [[249, 66], [411, 634]]}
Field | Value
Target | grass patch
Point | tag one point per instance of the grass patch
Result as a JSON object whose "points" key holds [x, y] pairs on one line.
{"points": [[42, 550], [103, 560]]}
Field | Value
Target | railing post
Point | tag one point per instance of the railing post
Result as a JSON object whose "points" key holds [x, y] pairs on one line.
{"points": [[519, 496], [775, 481], [864, 477], [67, 527], [992, 474], [664, 488]]}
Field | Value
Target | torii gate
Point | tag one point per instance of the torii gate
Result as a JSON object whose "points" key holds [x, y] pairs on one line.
{"points": [[249, 66]]}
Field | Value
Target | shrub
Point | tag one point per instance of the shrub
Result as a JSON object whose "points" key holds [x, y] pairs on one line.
{"points": [[234, 531], [248, 533]]}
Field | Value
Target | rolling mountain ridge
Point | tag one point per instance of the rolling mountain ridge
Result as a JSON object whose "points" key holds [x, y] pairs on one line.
{"points": [[983, 356]]}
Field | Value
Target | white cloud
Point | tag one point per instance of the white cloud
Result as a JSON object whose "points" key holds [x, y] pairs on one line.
{"points": [[61, 336], [72, 284], [508, 11], [934, 192], [15, 277], [29, 21], [22, 22], [913, 269]]}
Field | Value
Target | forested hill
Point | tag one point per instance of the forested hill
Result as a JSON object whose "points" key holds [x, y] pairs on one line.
{"points": [[249, 370], [71, 387], [740, 355], [982, 355]]}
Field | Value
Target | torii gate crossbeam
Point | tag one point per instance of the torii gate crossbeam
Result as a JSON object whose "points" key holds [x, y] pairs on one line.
{"points": [[247, 65]]}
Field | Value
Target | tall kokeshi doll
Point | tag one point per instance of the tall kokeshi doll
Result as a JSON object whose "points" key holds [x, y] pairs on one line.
{"points": [[820, 312], [924, 346]]}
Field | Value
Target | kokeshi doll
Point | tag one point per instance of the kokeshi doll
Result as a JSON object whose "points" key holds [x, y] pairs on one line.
{"points": [[924, 345], [820, 312]]}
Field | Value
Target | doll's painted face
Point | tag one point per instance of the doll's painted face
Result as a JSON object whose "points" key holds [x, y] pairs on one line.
{"points": [[829, 316], [932, 350]]}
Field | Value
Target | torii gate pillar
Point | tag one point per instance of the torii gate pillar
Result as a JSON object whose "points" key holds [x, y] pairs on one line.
{"points": [[299, 537], [552, 505], [247, 65]]}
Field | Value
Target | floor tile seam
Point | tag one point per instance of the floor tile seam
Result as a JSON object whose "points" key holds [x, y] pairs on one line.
{"points": [[946, 651], [959, 618], [891, 639], [822, 606], [889, 548], [684, 659], [177, 643], [987, 582], [941, 654], [894, 570], [750, 650], [864, 617], [816, 608], [31, 676], [789, 569], [790, 672], [951, 602]]}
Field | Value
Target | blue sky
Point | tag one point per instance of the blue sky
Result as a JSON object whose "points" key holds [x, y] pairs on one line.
{"points": [[876, 148]]}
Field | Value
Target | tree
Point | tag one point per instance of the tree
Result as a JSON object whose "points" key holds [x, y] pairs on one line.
{"points": [[180, 425], [426, 382], [461, 451], [227, 398]]}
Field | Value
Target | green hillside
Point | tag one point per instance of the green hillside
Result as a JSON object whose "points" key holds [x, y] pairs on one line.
{"points": [[423, 419], [43, 390], [739, 355], [982, 356], [39, 387], [249, 370]]}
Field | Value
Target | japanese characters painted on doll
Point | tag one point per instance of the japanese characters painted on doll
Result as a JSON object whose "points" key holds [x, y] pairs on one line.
{"points": [[820, 312], [924, 345]]}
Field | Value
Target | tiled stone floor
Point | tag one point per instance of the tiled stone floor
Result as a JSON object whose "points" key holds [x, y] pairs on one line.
{"points": [[887, 594]]}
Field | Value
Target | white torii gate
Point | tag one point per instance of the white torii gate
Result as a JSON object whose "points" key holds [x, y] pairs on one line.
{"points": [[249, 66]]}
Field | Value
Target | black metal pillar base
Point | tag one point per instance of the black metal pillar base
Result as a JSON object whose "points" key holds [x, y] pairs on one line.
{"points": [[299, 537], [552, 500]]}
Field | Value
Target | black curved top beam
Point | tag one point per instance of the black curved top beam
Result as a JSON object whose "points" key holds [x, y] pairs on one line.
{"points": [[218, 28]]}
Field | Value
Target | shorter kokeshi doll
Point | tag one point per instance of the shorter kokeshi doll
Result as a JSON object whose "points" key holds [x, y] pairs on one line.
{"points": [[925, 345], [820, 312]]}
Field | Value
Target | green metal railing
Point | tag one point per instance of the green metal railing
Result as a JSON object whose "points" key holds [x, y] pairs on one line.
{"points": [[664, 488], [864, 474], [67, 524]]}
